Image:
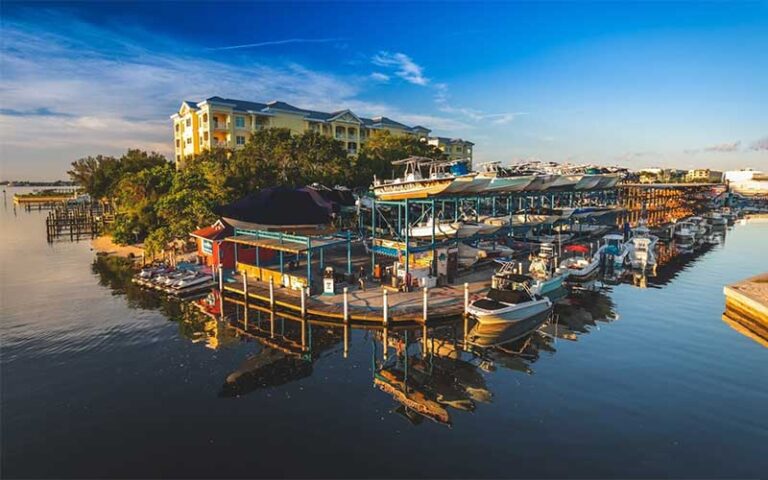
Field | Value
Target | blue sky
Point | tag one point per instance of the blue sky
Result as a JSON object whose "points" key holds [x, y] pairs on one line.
{"points": [[646, 84]]}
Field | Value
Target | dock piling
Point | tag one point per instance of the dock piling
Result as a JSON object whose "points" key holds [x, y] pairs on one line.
{"points": [[385, 307], [424, 310], [303, 303], [271, 293]]}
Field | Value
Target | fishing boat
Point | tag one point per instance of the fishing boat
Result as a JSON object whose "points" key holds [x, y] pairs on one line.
{"points": [[714, 239], [581, 266], [716, 220], [500, 179], [642, 247], [685, 235], [615, 249], [511, 301], [463, 179], [541, 182], [443, 229], [413, 184], [588, 182], [564, 182], [547, 276]]}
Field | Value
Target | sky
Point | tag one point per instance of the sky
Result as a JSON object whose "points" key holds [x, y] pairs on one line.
{"points": [[636, 84]]}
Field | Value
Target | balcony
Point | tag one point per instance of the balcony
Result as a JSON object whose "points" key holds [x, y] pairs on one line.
{"points": [[221, 125]]}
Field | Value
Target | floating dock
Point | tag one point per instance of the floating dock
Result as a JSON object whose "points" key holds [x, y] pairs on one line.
{"points": [[746, 307]]}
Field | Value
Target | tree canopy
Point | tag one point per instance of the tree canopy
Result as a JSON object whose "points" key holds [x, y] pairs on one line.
{"points": [[158, 204]]}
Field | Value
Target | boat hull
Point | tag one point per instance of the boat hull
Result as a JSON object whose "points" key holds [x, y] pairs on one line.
{"points": [[524, 317], [412, 189]]}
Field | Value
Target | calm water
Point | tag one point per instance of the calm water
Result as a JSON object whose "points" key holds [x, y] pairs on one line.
{"points": [[101, 381]]}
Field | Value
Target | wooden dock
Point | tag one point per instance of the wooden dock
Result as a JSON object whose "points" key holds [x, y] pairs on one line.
{"points": [[746, 303], [383, 312]]}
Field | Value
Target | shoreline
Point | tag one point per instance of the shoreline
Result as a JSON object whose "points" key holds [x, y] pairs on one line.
{"points": [[104, 245]]}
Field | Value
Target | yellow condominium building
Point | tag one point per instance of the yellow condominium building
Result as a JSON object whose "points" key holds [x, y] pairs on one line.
{"points": [[454, 148], [225, 122]]}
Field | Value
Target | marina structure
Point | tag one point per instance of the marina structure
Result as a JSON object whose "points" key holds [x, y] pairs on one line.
{"points": [[225, 122]]}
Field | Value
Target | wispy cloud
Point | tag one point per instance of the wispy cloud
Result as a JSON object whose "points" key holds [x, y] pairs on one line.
{"points": [[403, 66], [724, 147], [760, 144], [727, 147], [271, 43], [92, 90], [37, 112], [380, 77], [442, 100]]}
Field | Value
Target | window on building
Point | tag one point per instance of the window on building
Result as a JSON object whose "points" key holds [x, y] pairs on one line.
{"points": [[240, 140], [352, 147], [177, 126], [189, 122], [178, 158], [239, 122], [205, 117], [339, 132], [205, 136], [178, 143], [189, 140]]}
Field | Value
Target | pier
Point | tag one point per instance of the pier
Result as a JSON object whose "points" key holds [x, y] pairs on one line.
{"points": [[76, 221]]}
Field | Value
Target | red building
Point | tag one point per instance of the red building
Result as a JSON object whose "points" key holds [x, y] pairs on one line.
{"points": [[213, 251]]}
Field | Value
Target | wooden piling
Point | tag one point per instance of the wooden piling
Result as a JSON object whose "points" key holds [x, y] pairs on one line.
{"points": [[271, 293], [424, 308]]}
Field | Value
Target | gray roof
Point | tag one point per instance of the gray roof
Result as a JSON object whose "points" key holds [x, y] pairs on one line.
{"points": [[451, 140], [245, 106]]}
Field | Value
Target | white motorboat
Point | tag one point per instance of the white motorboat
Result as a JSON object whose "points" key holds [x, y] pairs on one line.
{"points": [[588, 182], [413, 184], [511, 301], [716, 220], [685, 235], [541, 182], [714, 239], [192, 280], [547, 238], [547, 275], [495, 249], [581, 267], [443, 229], [500, 179], [168, 278], [615, 249], [642, 246]]}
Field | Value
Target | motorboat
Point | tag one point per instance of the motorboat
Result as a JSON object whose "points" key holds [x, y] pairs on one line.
{"points": [[167, 279], [501, 179], [153, 270], [685, 235], [547, 275], [462, 178], [716, 220], [548, 238], [564, 182], [192, 280], [511, 301], [413, 184], [541, 182], [588, 182], [607, 181], [713, 239], [642, 246], [614, 249], [495, 249], [581, 267], [443, 229]]}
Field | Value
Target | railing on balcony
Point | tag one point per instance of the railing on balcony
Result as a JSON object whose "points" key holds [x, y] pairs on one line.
{"points": [[221, 125]]}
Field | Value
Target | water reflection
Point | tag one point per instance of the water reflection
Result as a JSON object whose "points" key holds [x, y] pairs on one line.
{"points": [[428, 378]]}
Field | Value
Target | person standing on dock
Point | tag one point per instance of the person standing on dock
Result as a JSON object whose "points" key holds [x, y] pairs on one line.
{"points": [[361, 277]]}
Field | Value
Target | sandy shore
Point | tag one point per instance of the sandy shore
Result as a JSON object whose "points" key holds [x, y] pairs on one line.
{"points": [[105, 245]]}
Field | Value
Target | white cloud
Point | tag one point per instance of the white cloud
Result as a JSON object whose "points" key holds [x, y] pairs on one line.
{"points": [[403, 66], [78, 89], [380, 77]]}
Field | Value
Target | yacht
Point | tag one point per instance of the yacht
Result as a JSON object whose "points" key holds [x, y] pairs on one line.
{"points": [[511, 301]]}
